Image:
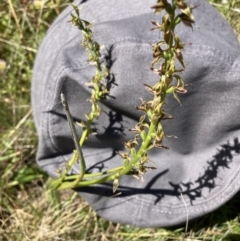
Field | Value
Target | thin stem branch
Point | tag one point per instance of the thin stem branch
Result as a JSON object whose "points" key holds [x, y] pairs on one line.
{"points": [[75, 139]]}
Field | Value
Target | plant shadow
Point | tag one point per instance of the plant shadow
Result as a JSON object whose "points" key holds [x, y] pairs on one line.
{"points": [[191, 189]]}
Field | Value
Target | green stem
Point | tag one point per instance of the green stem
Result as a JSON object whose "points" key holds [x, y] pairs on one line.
{"points": [[93, 175], [143, 148]]}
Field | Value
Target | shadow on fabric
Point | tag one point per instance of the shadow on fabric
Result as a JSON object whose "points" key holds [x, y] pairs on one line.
{"points": [[191, 189]]}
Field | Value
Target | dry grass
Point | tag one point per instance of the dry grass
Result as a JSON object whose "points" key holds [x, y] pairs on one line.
{"points": [[231, 10], [28, 211]]}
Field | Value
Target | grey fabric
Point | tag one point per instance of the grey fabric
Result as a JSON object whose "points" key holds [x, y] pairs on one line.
{"points": [[203, 163]]}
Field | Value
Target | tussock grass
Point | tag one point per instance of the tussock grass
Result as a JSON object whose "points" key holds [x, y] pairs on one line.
{"points": [[28, 210]]}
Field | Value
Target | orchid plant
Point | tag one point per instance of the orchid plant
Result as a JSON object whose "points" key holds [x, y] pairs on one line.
{"points": [[148, 131]]}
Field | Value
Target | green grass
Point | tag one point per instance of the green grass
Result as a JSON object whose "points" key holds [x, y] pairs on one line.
{"points": [[28, 211]]}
